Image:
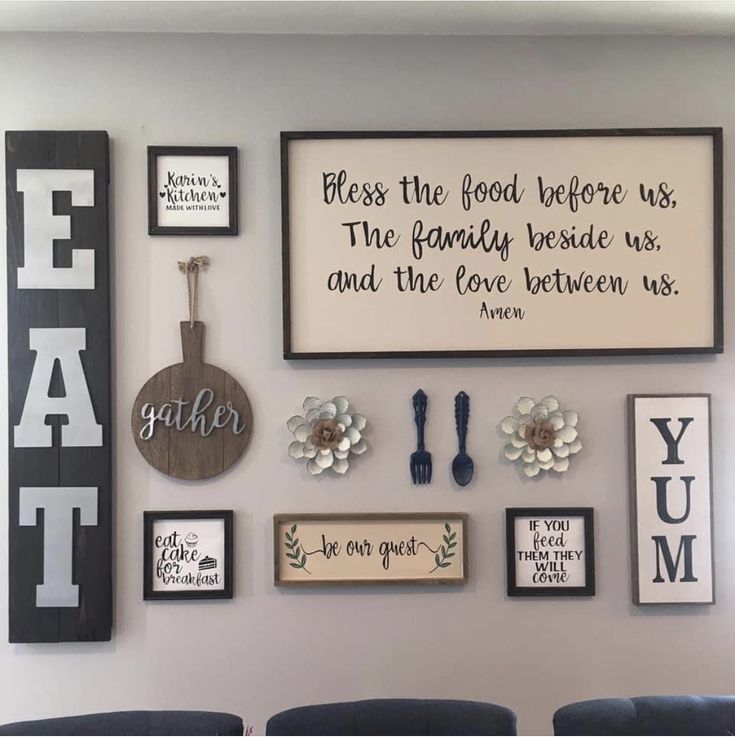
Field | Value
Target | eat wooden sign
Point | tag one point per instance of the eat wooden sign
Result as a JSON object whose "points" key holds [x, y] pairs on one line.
{"points": [[58, 266]]}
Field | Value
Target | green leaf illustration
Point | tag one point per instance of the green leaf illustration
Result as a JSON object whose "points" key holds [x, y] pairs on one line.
{"points": [[442, 561], [294, 550]]}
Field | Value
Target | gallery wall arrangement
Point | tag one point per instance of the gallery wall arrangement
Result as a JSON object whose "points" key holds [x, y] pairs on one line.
{"points": [[379, 229]]}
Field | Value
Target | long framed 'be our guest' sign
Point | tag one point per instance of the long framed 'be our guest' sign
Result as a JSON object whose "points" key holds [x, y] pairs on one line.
{"points": [[60, 417], [370, 548], [670, 468], [493, 243]]}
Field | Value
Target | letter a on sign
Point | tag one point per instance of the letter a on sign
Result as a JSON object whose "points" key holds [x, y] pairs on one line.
{"points": [[669, 459], [59, 492]]}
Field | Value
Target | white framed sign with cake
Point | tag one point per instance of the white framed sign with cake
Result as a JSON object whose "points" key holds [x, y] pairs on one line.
{"points": [[188, 554]]}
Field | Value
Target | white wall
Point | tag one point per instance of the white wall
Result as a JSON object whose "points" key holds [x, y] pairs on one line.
{"points": [[270, 649]]}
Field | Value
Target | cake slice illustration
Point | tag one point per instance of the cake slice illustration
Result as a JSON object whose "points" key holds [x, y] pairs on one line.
{"points": [[191, 539], [207, 563]]}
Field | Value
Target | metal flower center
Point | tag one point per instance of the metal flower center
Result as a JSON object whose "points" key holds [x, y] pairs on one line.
{"points": [[326, 434], [540, 434]]}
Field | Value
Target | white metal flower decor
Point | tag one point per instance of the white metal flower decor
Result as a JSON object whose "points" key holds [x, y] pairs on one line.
{"points": [[327, 434], [541, 436]]}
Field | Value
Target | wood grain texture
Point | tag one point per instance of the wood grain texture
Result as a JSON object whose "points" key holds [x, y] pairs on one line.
{"points": [[186, 454], [56, 465]]}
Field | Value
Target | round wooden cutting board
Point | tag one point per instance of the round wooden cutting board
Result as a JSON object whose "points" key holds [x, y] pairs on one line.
{"points": [[181, 437]]}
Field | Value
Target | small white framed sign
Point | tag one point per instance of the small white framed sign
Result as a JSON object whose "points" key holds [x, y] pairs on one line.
{"points": [[188, 554], [550, 551], [670, 483], [192, 191]]}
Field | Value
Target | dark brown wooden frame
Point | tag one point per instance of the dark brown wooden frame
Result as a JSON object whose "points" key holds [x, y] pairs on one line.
{"points": [[716, 347], [632, 497], [279, 519], [587, 514], [150, 517], [154, 229]]}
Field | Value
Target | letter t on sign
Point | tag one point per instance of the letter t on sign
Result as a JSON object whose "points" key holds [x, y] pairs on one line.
{"points": [[58, 504]]}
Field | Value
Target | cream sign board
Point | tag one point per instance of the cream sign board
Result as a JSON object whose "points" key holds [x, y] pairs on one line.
{"points": [[370, 548], [502, 243], [670, 462]]}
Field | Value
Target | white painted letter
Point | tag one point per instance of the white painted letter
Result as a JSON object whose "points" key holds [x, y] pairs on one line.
{"points": [[58, 503], [41, 227], [82, 429]]}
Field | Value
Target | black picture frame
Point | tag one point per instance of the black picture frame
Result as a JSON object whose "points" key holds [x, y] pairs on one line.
{"points": [[716, 346], [150, 517], [587, 514], [154, 229]]}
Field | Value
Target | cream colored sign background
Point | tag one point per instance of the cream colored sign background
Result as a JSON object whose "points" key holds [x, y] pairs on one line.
{"points": [[326, 321], [694, 451], [428, 533]]}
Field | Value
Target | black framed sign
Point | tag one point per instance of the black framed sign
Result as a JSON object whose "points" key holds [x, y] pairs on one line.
{"points": [[550, 551], [59, 406], [188, 554], [670, 483], [192, 191], [497, 243]]}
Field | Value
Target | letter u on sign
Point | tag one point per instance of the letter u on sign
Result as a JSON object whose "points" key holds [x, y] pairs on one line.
{"points": [[670, 499], [59, 495]]}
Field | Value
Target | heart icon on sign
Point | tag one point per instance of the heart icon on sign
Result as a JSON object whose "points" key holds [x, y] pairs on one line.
{"points": [[222, 194], [162, 194]]}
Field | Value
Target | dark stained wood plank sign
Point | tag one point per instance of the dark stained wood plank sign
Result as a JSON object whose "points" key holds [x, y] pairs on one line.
{"points": [[60, 418]]}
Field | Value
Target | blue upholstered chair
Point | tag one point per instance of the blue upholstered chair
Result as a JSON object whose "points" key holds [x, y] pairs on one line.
{"points": [[648, 716], [395, 717], [138, 722]]}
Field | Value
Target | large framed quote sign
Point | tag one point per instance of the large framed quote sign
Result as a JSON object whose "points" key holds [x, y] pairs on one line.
{"points": [[495, 243], [60, 414]]}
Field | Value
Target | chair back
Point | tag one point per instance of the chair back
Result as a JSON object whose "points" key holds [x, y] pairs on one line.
{"points": [[648, 716], [395, 717], [134, 722]]}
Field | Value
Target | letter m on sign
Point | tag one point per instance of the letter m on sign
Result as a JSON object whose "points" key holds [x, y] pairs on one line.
{"points": [[59, 464]]}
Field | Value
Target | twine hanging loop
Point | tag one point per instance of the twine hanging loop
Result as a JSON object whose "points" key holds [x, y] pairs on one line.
{"points": [[191, 269]]}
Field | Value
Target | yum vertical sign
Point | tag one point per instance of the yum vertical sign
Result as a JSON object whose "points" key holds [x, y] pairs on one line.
{"points": [[58, 266], [671, 499]]}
